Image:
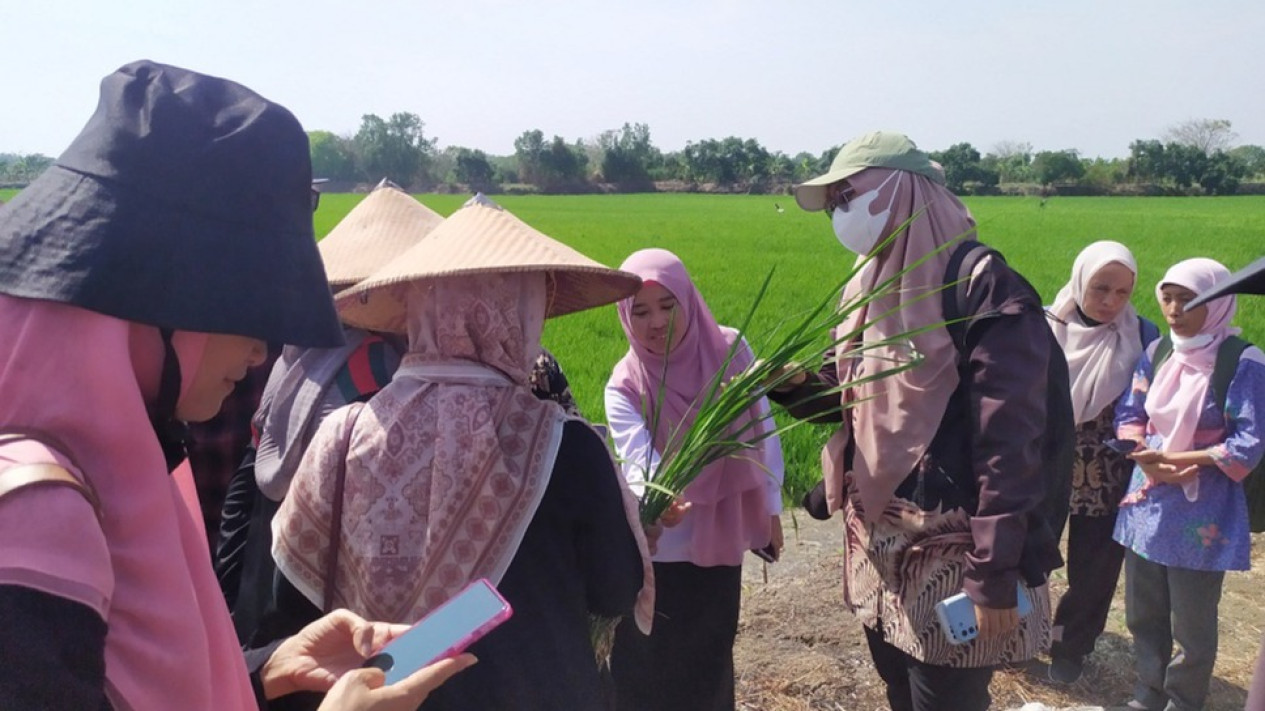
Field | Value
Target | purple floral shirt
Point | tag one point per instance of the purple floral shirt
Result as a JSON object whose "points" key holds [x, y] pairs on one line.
{"points": [[1211, 533]]}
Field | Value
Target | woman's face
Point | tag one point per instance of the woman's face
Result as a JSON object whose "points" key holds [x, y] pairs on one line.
{"points": [[224, 362], [1107, 292], [651, 318], [1184, 323]]}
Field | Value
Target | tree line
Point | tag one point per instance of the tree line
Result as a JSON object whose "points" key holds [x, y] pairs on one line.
{"points": [[1197, 156]]}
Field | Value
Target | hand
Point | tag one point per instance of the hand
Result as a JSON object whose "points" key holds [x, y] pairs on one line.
{"points": [[669, 519], [1165, 473], [776, 541], [996, 623], [1146, 456], [786, 377], [325, 650], [363, 690]]}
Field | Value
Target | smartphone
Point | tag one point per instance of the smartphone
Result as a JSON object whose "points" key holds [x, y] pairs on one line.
{"points": [[767, 554], [445, 632], [1123, 446], [957, 616]]}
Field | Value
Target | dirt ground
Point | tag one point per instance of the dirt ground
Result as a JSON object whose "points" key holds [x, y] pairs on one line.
{"points": [[798, 649]]}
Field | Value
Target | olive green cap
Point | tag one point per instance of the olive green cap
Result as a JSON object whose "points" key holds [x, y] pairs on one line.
{"points": [[878, 149]]}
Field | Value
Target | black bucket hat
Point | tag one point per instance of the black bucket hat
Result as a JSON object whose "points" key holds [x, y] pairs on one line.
{"points": [[185, 203]]}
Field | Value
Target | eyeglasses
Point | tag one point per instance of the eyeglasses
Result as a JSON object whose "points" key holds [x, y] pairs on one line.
{"points": [[316, 199], [837, 195]]}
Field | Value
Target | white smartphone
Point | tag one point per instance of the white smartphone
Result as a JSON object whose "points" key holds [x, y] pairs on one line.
{"points": [[957, 616], [445, 632]]}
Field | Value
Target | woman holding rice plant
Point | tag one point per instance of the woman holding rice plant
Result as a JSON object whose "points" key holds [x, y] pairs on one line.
{"points": [[676, 349], [937, 468]]}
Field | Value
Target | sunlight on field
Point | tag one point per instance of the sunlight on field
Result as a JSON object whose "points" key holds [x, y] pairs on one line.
{"points": [[729, 243]]}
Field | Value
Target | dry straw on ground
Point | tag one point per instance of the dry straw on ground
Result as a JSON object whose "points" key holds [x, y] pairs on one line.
{"points": [[798, 650]]}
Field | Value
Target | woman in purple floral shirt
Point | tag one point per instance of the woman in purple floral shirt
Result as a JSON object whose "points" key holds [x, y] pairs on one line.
{"points": [[1184, 517]]}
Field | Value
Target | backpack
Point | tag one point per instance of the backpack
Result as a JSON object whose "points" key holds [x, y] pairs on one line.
{"points": [[1058, 442], [1228, 354]]}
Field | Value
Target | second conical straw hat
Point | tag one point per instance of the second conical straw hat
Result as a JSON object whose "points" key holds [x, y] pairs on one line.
{"points": [[382, 227], [483, 237]]}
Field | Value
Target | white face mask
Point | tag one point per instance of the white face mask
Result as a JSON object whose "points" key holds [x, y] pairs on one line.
{"points": [[858, 230]]}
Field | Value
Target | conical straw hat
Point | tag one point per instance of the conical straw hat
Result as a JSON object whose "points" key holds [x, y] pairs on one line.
{"points": [[382, 227], [482, 237]]}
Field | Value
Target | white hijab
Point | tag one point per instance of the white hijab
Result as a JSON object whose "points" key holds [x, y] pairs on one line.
{"points": [[1100, 359]]}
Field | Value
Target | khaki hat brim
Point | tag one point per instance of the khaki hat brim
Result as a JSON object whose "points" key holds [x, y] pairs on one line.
{"points": [[811, 194], [483, 239]]}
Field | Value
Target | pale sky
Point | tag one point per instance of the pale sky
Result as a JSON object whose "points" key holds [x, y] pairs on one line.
{"points": [[1086, 74]]}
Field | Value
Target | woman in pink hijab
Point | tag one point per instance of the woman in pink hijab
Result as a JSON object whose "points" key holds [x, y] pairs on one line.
{"points": [[1184, 520], [675, 348], [128, 308]]}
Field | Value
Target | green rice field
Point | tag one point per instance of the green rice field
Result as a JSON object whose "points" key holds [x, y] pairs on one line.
{"points": [[730, 242]]}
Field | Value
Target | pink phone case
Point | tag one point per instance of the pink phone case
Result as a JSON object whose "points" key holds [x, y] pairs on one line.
{"points": [[445, 632]]}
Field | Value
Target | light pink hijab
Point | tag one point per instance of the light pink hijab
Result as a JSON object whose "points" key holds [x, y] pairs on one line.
{"points": [[1176, 397], [899, 414], [1100, 359], [729, 509], [446, 465], [84, 379]]}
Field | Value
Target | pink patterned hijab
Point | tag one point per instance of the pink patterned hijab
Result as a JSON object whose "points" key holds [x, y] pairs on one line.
{"points": [[85, 378], [729, 509], [1176, 397], [446, 465], [899, 414]]}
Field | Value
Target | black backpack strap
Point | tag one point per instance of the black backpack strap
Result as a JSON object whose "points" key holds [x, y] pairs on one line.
{"points": [[956, 303], [1228, 354], [1163, 350]]}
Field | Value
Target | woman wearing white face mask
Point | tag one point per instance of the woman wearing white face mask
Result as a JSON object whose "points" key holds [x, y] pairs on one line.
{"points": [[937, 469]]}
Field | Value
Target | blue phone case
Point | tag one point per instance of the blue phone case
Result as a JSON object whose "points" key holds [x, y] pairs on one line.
{"points": [[957, 616]]}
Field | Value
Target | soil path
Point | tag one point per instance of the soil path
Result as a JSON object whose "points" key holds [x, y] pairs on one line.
{"points": [[799, 650]]}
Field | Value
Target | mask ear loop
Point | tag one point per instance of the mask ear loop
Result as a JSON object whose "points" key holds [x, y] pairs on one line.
{"points": [[171, 432]]}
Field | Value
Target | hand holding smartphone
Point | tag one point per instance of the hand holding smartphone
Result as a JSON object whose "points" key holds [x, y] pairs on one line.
{"points": [[445, 632], [957, 616], [1123, 446]]}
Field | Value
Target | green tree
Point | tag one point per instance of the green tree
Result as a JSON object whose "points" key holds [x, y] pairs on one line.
{"points": [[471, 166], [1222, 174], [529, 150], [962, 166], [1050, 167], [627, 155], [1251, 157], [333, 156], [396, 148]]}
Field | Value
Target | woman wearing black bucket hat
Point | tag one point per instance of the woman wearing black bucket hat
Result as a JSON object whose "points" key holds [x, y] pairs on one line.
{"points": [[139, 278]]}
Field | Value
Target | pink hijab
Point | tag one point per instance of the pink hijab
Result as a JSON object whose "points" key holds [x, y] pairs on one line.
{"points": [[446, 465], [143, 567], [900, 414], [1100, 358], [1176, 397], [729, 508]]}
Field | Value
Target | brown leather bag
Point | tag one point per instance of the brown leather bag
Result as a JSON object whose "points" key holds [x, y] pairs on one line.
{"points": [[336, 516], [22, 476]]}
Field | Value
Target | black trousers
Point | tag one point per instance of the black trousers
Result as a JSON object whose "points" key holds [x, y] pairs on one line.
{"points": [[687, 662], [916, 686], [1093, 567]]}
